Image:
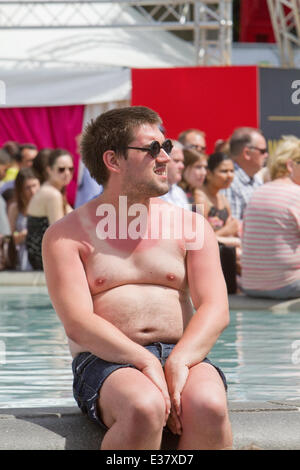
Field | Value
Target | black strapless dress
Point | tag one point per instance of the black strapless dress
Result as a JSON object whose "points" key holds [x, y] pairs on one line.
{"points": [[36, 227]]}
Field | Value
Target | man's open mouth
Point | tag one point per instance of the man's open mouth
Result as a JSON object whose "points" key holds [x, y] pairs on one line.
{"points": [[160, 170]]}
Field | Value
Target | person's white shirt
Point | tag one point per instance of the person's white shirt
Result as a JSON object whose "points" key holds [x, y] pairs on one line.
{"points": [[176, 196]]}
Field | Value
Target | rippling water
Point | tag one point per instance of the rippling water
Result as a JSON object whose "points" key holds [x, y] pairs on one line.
{"points": [[37, 364], [259, 353]]}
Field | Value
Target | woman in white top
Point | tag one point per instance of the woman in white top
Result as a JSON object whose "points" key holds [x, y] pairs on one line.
{"points": [[49, 204]]}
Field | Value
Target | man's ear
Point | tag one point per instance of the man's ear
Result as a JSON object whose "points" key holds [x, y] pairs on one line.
{"points": [[246, 153], [111, 161]]}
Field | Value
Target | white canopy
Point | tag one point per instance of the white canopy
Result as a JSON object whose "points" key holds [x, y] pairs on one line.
{"points": [[48, 67]]}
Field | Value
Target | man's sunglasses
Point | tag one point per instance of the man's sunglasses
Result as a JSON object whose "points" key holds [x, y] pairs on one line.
{"points": [[155, 147], [262, 151], [199, 148], [62, 169]]}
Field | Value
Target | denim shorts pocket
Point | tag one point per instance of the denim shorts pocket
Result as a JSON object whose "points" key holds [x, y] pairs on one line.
{"points": [[81, 389], [81, 361]]}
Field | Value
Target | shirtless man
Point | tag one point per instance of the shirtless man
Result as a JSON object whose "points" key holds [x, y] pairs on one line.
{"points": [[128, 301]]}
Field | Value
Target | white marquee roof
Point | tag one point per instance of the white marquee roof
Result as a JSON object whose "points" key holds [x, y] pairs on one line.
{"points": [[74, 66]]}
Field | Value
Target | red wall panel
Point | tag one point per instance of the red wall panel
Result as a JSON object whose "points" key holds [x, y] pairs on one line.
{"points": [[213, 99]]}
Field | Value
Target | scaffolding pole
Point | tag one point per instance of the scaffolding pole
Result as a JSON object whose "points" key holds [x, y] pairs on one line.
{"points": [[285, 17]]}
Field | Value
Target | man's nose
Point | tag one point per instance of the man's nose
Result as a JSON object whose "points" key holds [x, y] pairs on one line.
{"points": [[163, 156]]}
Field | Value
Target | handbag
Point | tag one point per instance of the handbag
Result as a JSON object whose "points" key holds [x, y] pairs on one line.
{"points": [[228, 262], [8, 252]]}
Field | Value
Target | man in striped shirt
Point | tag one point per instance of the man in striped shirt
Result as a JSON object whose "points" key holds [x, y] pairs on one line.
{"points": [[248, 149]]}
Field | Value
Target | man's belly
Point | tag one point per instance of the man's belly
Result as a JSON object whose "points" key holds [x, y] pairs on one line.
{"points": [[143, 312]]}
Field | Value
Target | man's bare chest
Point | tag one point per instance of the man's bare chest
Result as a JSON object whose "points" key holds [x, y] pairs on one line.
{"points": [[162, 264]]}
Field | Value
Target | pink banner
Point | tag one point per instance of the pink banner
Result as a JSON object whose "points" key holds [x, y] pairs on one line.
{"points": [[53, 126]]}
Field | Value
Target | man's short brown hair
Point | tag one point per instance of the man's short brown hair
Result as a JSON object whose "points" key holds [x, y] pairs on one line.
{"points": [[112, 130]]}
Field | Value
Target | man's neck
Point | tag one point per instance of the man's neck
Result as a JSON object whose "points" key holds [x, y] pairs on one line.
{"points": [[245, 167], [122, 200]]}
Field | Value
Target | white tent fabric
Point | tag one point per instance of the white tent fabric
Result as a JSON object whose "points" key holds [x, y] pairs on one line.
{"points": [[61, 86], [47, 67]]}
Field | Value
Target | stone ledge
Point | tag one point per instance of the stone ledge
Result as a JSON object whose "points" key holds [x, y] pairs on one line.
{"points": [[256, 425], [19, 278], [236, 302], [243, 302]]}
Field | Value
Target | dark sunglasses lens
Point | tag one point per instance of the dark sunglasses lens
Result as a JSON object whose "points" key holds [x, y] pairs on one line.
{"points": [[167, 146], [63, 169], [154, 149]]}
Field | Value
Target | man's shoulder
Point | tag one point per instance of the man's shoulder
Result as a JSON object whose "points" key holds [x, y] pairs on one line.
{"points": [[67, 229], [238, 185]]}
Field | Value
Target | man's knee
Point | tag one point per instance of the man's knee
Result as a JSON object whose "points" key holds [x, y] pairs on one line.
{"points": [[147, 411], [205, 406]]}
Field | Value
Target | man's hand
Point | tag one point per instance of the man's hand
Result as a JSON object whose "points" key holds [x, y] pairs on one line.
{"points": [[176, 374], [154, 371]]}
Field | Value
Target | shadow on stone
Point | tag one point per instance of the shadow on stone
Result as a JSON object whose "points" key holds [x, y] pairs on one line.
{"points": [[55, 429]]}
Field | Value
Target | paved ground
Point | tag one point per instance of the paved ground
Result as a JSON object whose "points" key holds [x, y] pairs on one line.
{"points": [[266, 426]]}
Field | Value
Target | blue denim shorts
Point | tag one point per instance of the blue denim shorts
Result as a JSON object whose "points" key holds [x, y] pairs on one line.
{"points": [[90, 372]]}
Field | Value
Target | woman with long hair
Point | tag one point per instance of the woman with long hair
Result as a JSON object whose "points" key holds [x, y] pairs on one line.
{"points": [[49, 204], [216, 209], [194, 173], [40, 164], [26, 185], [220, 174]]}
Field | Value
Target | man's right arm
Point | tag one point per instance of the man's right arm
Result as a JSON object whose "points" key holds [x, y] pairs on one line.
{"points": [[71, 298]]}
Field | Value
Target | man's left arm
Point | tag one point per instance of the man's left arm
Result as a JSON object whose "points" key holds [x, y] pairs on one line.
{"points": [[209, 295]]}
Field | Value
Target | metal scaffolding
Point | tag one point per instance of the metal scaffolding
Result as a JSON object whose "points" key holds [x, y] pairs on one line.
{"points": [[209, 22], [285, 17]]}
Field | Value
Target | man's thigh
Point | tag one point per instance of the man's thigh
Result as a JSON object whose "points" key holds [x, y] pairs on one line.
{"points": [[123, 390]]}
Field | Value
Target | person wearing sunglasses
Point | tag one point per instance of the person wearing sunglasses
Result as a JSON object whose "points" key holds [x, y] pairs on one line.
{"points": [[119, 286], [193, 139], [248, 150], [49, 203]]}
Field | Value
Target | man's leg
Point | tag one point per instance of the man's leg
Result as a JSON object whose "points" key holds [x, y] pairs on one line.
{"points": [[133, 409], [205, 421]]}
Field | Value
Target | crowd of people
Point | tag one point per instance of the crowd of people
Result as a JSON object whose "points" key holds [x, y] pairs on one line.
{"points": [[250, 198]]}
